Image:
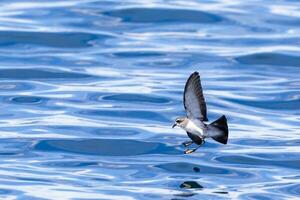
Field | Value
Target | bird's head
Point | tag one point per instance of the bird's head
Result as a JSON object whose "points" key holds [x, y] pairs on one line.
{"points": [[180, 121]]}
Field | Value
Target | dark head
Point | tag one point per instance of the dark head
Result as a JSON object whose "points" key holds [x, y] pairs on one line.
{"points": [[180, 121]]}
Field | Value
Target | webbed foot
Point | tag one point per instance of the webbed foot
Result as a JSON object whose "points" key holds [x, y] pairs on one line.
{"points": [[189, 151]]}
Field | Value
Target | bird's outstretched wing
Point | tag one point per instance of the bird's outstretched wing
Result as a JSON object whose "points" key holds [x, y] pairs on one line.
{"points": [[193, 99]]}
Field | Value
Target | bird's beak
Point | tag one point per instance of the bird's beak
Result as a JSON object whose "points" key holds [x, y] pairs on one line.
{"points": [[174, 125]]}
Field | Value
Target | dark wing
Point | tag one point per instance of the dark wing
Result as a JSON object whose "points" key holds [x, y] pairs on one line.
{"points": [[195, 138], [193, 99]]}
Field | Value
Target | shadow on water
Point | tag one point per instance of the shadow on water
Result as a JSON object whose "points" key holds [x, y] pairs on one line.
{"points": [[105, 147]]}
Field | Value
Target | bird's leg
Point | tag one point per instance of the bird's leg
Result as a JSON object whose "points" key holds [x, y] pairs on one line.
{"points": [[188, 151], [187, 143]]}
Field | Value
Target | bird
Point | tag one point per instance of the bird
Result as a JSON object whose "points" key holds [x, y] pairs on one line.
{"points": [[194, 123]]}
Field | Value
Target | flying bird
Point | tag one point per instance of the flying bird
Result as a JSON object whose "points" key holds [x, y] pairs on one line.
{"points": [[194, 122]]}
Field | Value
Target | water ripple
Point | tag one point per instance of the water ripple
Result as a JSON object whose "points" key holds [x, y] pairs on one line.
{"points": [[89, 91], [50, 39], [275, 59], [137, 98], [31, 74], [163, 15], [105, 147]]}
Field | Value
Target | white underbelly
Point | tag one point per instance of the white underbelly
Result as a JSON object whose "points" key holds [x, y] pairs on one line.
{"points": [[192, 128]]}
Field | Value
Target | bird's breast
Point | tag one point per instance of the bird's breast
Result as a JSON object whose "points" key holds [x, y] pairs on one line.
{"points": [[193, 128]]}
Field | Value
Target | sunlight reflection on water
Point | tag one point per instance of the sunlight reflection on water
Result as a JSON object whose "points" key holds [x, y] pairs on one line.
{"points": [[89, 91]]}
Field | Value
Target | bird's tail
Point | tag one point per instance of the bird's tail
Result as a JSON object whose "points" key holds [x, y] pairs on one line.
{"points": [[221, 125]]}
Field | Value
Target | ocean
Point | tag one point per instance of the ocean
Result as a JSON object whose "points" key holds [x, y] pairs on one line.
{"points": [[89, 91]]}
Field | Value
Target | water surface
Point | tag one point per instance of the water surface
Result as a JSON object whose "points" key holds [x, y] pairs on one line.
{"points": [[89, 91]]}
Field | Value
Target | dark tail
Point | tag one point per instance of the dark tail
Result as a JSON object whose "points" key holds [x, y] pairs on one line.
{"points": [[221, 124]]}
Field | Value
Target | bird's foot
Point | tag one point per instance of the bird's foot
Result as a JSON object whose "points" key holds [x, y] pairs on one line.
{"points": [[189, 151], [187, 143]]}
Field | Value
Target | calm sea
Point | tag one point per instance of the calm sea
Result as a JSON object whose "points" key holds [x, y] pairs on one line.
{"points": [[89, 91]]}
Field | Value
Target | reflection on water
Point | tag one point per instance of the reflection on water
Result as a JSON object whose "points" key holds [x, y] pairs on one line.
{"points": [[190, 184], [89, 91]]}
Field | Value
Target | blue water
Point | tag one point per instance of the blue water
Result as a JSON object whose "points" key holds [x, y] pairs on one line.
{"points": [[89, 91]]}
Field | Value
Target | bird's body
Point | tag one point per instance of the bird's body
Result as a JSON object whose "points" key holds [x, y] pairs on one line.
{"points": [[200, 129], [193, 123], [196, 127]]}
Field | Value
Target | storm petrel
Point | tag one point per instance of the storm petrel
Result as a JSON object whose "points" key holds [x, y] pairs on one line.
{"points": [[193, 123]]}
